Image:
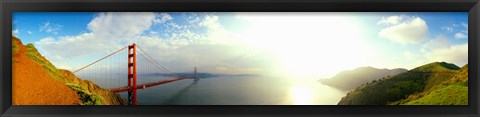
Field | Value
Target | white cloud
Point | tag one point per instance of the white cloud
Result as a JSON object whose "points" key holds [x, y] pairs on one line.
{"points": [[106, 33], [29, 32], [163, 17], [457, 54], [411, 56], [465, 27], [15, 32], [65, 67], [121, 26], [62, 65], [392, 20], [182, 49], [440, 49], [403, 29], [50, 28], [460, 36], [448, 28], [439, 41], [211, 22], [461, 27], [194, 20], [153, 33]]}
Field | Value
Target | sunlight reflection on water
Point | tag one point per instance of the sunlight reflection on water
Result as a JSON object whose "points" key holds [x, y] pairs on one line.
{"points": [[240, 91]]}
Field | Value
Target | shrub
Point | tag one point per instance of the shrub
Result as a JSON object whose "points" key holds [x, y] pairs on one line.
{"points": [[87, 97]]}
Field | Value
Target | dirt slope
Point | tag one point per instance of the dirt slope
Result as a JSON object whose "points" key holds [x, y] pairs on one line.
{"points": [[33, 86]]}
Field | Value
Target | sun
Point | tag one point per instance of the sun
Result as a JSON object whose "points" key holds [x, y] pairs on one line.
{"points": [[308, 45]]}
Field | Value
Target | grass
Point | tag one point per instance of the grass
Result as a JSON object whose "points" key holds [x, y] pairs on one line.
{"points": [[87, 97], [437, 67], [450, 92], [446, 95], [411, 85], [52, 70], [109, 98], [385, 91], [15, 48]]}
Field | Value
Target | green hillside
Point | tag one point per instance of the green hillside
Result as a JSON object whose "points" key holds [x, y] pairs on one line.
{"points": [[451, 92], [89, 93], [437, 67], [411, 85]]}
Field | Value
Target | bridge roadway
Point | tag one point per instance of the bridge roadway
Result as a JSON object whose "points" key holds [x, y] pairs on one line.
{"points": [[146, 85]]}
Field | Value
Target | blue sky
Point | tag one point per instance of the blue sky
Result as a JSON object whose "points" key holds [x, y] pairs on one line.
{"points": [[313, 44]]}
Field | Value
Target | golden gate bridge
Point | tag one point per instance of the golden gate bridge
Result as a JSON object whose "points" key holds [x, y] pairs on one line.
{"points": [[138, 72]]}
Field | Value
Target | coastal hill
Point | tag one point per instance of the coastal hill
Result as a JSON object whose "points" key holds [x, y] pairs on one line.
{"points": [[350, 79], [437, 83], [36, 81]]}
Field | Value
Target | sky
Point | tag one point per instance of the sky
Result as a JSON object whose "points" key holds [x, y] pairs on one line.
{"points": [[305, 45]]}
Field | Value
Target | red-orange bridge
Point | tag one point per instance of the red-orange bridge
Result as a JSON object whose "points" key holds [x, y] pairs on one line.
{"points": [[124, 71]]}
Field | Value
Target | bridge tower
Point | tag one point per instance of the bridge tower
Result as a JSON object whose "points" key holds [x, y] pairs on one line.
{"points": [[195, 75], [132, 74]]}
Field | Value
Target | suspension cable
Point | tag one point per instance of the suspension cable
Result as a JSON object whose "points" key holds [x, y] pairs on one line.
{"points": [[153, 59], [155, 64], [100, 59]]}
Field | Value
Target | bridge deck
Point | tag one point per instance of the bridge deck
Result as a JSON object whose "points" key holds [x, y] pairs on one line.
{"points": [[146, 85]]}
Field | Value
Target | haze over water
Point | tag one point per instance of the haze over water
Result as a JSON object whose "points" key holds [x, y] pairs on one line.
{"points": [[239, 90]]}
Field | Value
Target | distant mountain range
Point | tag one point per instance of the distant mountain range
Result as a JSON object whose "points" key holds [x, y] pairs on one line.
{"points": [[350, 79], [437, 83]]}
